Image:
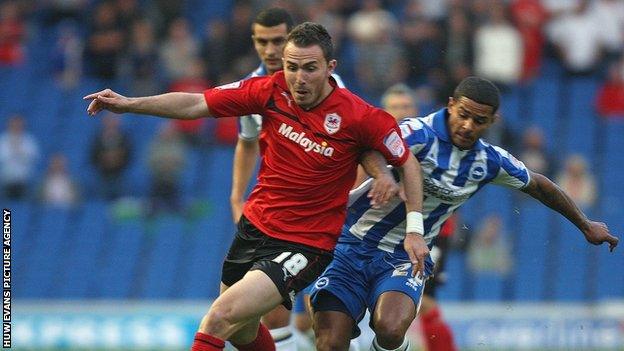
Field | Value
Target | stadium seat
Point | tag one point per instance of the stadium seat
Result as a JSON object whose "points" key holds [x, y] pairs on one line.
{"points": [[488, 287], [159, 265], [48, 246], [455, 275], [544, 109], [210, 237], [122, 248], [87, 236], [569, 271], [581, 121], [531, 251]]}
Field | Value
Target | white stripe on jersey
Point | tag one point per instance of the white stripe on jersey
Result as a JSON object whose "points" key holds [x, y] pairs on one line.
{"points": [[450, 177]]}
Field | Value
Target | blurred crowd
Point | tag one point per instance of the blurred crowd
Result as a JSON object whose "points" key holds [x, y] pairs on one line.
{"points": [[149, 47]]}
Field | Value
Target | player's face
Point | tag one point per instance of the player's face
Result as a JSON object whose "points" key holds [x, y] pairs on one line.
{"points": [[269, 43], [307, 74], [468, 120], [400, 106]]}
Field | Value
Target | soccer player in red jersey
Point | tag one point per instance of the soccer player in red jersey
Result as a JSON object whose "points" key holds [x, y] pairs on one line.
{"points": [[312, 137]]}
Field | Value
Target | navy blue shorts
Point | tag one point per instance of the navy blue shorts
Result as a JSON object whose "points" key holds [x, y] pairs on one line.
{"points": [[358, 279]]}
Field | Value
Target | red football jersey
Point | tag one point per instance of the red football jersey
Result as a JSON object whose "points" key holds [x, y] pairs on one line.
{"points": [[309, 157]]}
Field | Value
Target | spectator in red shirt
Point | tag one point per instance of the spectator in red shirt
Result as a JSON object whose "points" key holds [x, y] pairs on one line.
{"points": [[11, 34], [610, 98], [529, 17]]}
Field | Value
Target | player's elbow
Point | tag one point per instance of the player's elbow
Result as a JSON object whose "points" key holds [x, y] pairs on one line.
{"points": [[198, 108]]}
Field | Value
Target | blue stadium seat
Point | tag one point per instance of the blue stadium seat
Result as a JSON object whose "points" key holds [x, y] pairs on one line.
{"points": [[48, 245], [160, 263], [544, 108], [488, 287], [570, 266], [211, 238], [118, 263], [455, 274], [81, 264], [582, 120], [609, 284], [531, 251]]}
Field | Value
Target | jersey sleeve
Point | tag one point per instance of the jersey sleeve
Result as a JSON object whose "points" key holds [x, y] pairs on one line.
{"points": [[383, 134], [249, 127], [414, 133], [512, 173], [243, 97]]}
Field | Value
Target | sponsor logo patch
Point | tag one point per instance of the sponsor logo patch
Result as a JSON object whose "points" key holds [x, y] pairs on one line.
{"points": [[308, 144], [394, 144], [321, 283]]}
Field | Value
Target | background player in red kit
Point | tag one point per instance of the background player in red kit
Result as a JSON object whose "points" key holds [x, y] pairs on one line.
{"points": [[312, 137]]}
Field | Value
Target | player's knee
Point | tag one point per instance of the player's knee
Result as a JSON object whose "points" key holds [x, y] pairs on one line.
{"points": [[219, 318], [331, 342], [392, 330]]}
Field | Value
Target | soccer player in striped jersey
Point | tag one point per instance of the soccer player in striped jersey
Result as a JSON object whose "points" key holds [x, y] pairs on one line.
{"points": [[400, 101], [370, 268]]}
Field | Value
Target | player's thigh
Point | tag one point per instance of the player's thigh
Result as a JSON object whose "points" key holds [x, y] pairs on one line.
{"points": [[249, 298], [392, 279]]}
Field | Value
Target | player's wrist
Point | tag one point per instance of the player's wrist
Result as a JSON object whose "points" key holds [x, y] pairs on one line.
{"points": [[414, 223]]}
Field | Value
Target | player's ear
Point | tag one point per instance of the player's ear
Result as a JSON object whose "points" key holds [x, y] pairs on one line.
{"points": [[331, 66], [495, 117], [451, 102]]}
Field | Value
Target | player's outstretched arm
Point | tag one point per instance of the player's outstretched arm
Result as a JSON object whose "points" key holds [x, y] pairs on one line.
{"points": [[551, 195], [245, 157], [170, 105], [384, 187], [414, 243]]}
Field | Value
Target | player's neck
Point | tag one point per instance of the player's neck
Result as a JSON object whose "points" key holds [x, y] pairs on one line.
{"points": [[328, 88]]}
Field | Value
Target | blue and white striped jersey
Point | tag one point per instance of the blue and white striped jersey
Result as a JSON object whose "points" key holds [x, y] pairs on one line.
{"points": [[249, 126], [450, 177]]}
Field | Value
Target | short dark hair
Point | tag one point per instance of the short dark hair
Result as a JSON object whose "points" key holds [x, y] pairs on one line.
{"points": [[308, 33], [478, 90], [274, 16]]}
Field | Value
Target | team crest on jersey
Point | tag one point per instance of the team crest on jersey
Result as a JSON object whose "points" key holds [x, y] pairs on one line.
{"points": [[332, 123], [477, 172]]}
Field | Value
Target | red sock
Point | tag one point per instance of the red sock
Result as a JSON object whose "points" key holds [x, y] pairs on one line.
{"points": [[437, 334], [205, 342], [263, 342]]}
